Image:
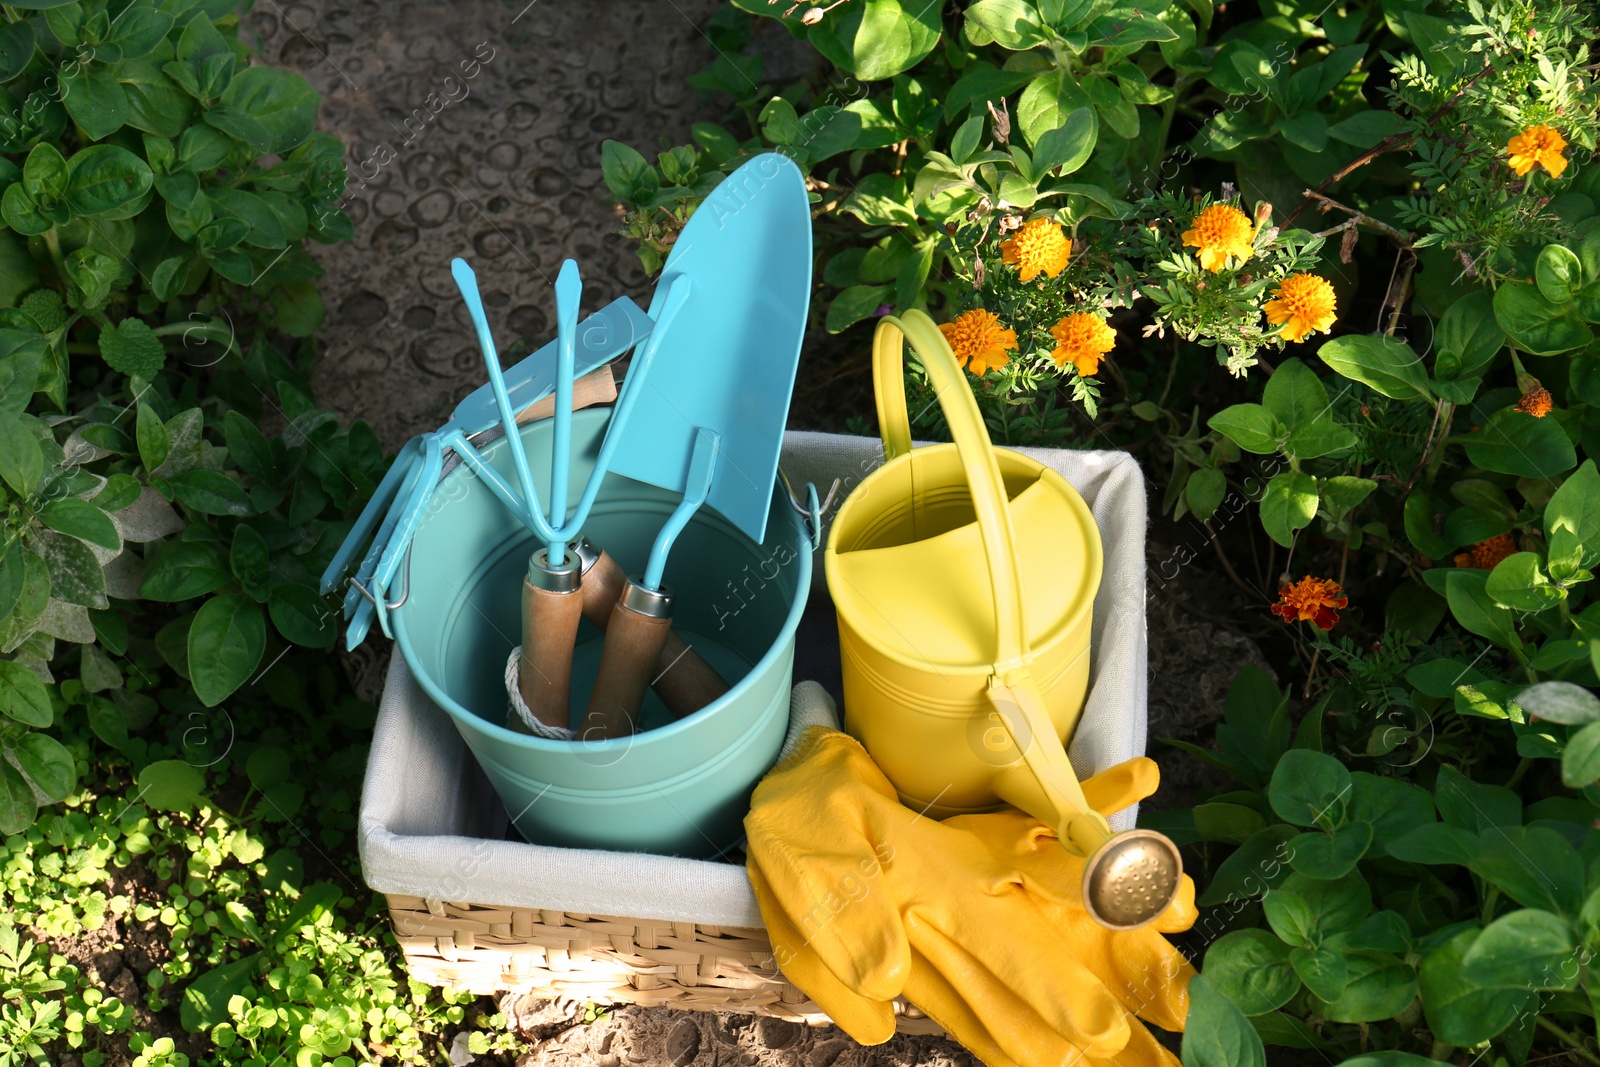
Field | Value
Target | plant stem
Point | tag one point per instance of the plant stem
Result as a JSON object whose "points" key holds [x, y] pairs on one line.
{"points": [[1572, 1041], [1516, 775]]}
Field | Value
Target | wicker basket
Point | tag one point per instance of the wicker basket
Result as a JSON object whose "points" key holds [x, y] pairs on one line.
{"points": [[555, 954], [434, 836]]}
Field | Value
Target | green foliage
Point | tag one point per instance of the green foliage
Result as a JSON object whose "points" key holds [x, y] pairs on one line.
{"points": [[156, 546], [1394, 899]]}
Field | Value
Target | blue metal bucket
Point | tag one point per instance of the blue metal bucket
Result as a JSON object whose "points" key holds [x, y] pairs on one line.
{"points": [[678, 787]]}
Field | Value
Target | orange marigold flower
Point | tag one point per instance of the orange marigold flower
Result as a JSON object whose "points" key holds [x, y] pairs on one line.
{"points": [[979, 341], [1485, 554], [1220, 232], [1040, 247], [1540, 146], [1312, 600], [1302, 304], [1536, 402], [1084, 339]]}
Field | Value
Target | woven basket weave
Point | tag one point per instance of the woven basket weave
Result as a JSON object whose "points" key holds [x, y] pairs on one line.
{"points": [[604, 960]]}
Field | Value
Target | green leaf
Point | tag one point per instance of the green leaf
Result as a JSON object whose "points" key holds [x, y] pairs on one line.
{"points": [[1289, 504], [75, 574], [251, 561], [1528, 949], [1250, 426], [1459, 1011], [302, 615], [263, 227], [1381, 363], [1558, 273], [45, 175], [23, 696], [1436, 843], [1331, 855], [1252, 869], [17, 805], [94, 100], [1251, 968], [1217, 1034], [1378, 986], [171, 785], [1066, 148], [1533, 865], [1048, 103], [21, 213], [104, 177], [1204, 490], [1534, 322], [1468, 337], [1127, 27], [1307, 786], [1322, 970], [1513, 442], [1342, 492], [1308, 130], [16, 49], [12, 573], [211, 492], [132, 348], [1470, 603], [1563, 702], [1518, 583], [1572, 517], [281, 101], [1365, 129], [21, 458], [1580, 762], [80, 519], [225, 646], [1392, 807], [1299, 401], [249, 447], [181, 570], [855, 303], [48, 765], [878, 39], [1013, 24], [1474, 806]]}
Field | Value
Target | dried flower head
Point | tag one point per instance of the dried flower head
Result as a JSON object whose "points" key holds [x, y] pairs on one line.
{"points": [[1535, 397], [1302, 304], [1221, 232], [1084, 339], [1486, 554], [978, 340], [1541, 146], [1314, 600], [812, 16], [1040, 247]]}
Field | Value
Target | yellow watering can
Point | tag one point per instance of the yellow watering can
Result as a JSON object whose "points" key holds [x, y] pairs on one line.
{"points": [[964, 577]]}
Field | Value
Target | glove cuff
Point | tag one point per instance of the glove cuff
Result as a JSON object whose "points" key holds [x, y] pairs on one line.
{"points": [[809, 706]]}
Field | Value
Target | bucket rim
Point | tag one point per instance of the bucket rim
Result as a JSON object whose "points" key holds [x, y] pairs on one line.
{"points": [[784, 637], [1075, 501]]}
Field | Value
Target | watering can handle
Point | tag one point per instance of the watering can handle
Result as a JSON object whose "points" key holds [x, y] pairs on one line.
{"points": [[1046, 787], [989, 499]]}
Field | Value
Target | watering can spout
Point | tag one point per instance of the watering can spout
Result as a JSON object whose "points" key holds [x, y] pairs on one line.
{"points": [[1130, 878]]}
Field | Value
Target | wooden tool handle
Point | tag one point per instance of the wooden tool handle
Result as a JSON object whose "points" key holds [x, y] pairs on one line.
{"points": [[544, 673], [633, 644], [602, 585], [596, 387], [682, 678]]}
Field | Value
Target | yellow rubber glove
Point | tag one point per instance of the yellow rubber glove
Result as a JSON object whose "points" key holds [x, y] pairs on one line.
{"points": [[978, 920]]}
